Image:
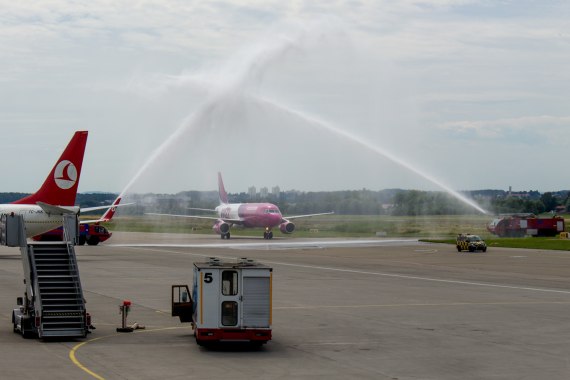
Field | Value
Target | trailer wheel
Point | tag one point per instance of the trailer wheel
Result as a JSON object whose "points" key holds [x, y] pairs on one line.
{"points": [[81, 240], [485, 249], [458, 249]]}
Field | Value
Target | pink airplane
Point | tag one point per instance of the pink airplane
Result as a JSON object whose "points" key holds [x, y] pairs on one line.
{"points": [[249, 215]]}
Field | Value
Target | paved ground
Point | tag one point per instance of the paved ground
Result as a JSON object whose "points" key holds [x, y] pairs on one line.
{"points": [[399, 310]]}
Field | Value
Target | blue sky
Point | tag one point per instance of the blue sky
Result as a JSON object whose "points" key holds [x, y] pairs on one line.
{"points": [[472, 94]]}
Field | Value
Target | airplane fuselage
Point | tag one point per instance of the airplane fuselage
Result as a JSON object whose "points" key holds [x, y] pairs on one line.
{"points": [[251, 214], [36, 220]]}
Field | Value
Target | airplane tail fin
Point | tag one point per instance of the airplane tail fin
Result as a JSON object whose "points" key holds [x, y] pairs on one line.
{"points": [[60, 186], [108, 215], [221, 190]]}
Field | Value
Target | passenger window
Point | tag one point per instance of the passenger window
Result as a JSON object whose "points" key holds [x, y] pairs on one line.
{"points": [[229, 313], [229, 283]]}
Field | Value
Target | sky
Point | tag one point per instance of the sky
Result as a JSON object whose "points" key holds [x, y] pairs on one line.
{"points": [[304, 95]]}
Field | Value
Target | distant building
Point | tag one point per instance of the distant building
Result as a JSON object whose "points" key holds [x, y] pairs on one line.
{"points": [[263, 192], [275, 190], [523, 194], [252, 192]]}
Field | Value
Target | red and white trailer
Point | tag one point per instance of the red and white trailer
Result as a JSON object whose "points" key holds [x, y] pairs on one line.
{"points": [[231, 301]]}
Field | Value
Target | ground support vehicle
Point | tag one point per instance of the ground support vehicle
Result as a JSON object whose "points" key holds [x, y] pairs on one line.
{"points": [[231, 301], [471, 243], [519, 225], [53, 304], [90, 233]]}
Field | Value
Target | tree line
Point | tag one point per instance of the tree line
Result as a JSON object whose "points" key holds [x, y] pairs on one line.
{"points": [[349, 202]]}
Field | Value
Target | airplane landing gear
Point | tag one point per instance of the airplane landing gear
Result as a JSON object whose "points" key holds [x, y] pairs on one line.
{"points": [[268, 235], [225, 236]]}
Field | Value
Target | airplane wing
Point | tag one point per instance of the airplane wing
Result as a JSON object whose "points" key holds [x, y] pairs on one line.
{"points": [[88, 209], [201, 209], [306, 216], [57, 210], [234, 221], [108, 215]]}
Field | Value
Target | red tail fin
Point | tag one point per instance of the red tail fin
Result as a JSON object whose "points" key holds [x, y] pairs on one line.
{"points": [[108, 215], [221, 191], [60, 186]]}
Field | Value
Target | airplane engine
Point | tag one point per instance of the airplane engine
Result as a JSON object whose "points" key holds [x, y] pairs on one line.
{"points": [[221, 227], [287, 227]]}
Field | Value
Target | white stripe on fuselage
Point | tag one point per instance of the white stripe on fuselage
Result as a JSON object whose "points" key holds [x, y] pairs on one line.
{"points": [[228, 211], [35, 219]]}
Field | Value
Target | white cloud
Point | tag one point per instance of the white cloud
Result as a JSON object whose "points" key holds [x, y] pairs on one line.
{"points": [[402, 74], [530, 129]]}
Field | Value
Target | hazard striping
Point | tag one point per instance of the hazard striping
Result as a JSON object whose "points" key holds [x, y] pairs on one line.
{"points": [[75, 348]]}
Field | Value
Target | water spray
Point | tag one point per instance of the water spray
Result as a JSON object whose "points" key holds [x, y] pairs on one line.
{"points": [[232, 82], [313, 121]]}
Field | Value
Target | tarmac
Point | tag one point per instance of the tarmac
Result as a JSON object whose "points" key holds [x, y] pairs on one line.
{"points": [[385, 309]]}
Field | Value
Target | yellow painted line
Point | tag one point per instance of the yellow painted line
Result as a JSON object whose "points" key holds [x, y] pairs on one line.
{"points": [[201, 299], [78, 364], [423, 304], [78, 346]]}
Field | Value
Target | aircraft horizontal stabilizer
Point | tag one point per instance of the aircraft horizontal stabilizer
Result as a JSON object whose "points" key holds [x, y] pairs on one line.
{"points": [[57, 210]]}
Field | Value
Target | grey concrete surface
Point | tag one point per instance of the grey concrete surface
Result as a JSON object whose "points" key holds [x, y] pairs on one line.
{"points": [[392, 311]]}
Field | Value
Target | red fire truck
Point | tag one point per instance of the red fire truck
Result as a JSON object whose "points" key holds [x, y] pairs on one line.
{"points": [[90, 233], [519, 225]]}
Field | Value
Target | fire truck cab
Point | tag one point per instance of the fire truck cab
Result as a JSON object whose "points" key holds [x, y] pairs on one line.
{"points": [[230, 301]]}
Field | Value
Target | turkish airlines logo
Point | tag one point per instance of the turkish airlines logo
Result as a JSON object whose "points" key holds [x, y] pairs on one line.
{"points": [[65, 175]]}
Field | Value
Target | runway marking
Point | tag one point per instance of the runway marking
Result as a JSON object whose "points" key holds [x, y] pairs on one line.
{"points": [[425, 278], [420, 304], [74, 360], [402, 276], [275, 244]]}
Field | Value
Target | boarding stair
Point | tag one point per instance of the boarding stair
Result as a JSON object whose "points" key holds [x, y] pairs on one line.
{"points": [[53, 304], [59, 297]]}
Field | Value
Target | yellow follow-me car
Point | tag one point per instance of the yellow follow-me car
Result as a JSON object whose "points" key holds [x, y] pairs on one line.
{"points": [[471, 243]]}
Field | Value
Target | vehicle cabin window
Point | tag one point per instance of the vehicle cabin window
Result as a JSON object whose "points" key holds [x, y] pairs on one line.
{"points": [[229, 283], [229, 313]]}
